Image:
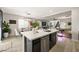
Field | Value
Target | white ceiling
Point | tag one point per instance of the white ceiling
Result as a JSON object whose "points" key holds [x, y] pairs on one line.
{"points": [[35, 12]]}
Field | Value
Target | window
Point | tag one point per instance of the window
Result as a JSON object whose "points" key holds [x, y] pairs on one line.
{"points": [[23, 23]]}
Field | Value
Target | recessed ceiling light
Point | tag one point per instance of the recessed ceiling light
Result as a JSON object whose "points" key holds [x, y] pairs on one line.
{"points": [[28, 13]]}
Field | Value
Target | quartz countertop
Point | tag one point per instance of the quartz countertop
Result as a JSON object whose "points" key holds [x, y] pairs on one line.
{"points": [[32, 36]]}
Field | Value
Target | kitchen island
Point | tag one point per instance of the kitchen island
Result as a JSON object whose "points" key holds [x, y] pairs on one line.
{"points": [[42, 41]]}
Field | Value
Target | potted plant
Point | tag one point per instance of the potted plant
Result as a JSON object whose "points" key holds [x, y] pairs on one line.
{"points": [[35, 26], [6, 29]]}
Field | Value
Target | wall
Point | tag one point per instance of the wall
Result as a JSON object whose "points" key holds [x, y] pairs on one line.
{"points": [[75, 23], [8, 17]]}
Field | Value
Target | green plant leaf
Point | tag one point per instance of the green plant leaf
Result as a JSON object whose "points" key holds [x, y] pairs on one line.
{"points": [[6, 27]]}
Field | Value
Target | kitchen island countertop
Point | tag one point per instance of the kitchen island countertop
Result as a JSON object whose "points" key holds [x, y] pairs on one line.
{"points": [[41, 33]]}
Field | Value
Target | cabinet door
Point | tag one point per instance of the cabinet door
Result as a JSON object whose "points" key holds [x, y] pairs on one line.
{"points": [[52, 40], [45, 44], [36, 45]]}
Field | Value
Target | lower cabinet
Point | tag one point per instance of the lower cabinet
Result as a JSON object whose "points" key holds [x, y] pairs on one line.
{"points": [[36, 45], [41, 45], [52, 40], [45, 44]]}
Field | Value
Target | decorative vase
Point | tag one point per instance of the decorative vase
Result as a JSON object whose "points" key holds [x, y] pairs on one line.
{"points": [[6, 35], [34, 30]]}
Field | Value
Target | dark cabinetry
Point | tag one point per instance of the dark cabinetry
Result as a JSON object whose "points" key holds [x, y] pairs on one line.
{"points": [[52, 40], [41, 44], [36, 45]]}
